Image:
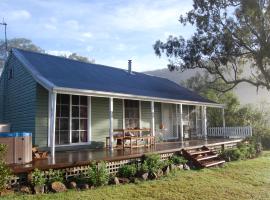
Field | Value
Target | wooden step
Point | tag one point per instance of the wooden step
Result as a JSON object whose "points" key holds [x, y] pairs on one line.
{"points": [[213, 163], [199, 152], [207, 157]]}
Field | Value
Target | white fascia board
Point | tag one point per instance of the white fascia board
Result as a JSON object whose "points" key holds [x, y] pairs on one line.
{"points": [[35, 74], [73, 91]]}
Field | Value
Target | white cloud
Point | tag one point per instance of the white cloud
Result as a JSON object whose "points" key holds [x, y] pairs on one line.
{"points": [[143, 16], [87, 35], [50, 26], [18, 15], [59, 52]]}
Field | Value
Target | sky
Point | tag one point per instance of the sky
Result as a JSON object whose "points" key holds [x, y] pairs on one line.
{"points": [[108, 31]]}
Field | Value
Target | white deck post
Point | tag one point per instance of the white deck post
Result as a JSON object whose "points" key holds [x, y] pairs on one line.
{"points": [[153, 118], [111, 122], [52, 104], [181, 122], [223, 118], [177, 119], [204, 122], [89, 123]]}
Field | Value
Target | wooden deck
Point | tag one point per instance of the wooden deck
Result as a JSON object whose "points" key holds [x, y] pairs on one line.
{"points": [[67, 159]]}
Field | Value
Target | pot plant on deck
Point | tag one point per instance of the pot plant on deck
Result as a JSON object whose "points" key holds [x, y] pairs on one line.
{"points": [[38, 180]]}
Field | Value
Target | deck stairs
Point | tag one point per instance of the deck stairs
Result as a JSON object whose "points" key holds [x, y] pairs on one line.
{"points": [[203, 157]]}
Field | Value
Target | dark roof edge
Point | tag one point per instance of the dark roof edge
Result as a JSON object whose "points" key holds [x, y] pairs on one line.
{"points": [[35, 74]]}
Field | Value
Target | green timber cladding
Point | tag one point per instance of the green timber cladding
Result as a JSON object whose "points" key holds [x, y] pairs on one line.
{"points": [[19, 99], [100, 116], [22, 102]]}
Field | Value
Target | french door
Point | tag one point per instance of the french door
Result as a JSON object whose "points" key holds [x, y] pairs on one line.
{"points": [[71, 119]]}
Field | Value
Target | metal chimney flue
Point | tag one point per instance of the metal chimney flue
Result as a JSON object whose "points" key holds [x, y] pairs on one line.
{"points": [[129, 66]]}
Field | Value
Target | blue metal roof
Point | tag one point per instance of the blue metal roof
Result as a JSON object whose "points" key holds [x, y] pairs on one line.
{"points": [[66, 73]]}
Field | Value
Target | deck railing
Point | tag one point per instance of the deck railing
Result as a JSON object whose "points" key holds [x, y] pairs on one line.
{"points": [[230, 132]]}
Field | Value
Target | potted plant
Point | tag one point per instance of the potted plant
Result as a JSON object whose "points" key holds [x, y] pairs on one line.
{"points": [[38, 180]]}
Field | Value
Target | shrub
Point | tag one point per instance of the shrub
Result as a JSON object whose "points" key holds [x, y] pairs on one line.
{"points": [[4, 170], [98, 174], [38, 178], [177, 160], [55, 175], [152, 163], [127, 171], [231, 154]]}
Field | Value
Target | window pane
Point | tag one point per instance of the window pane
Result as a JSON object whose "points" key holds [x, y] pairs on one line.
{"points": [[64, 111], [58, 98], [64, 137], [57, 124], [75, 124], [83, 136], [83, 124], [83, 111], [58, 111], [64, 99], [64, 124], [75, 111], [75, 136], [75, 100], [83, 100], [57, 137]]}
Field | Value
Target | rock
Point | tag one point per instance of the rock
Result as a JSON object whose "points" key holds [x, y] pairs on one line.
{"points": [[186, 167], [166, 170], [39, 189], [123, 180], [145, 176], [180, 166], [159, 173], [25, 190], [154, 175], [58, 187], [115, 181], [84, 186], [72, 185]]}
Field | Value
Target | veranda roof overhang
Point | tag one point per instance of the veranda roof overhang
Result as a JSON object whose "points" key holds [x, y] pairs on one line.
{"points": [[73, 91]]}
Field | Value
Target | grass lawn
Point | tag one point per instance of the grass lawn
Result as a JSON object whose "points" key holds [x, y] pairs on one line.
{"points": [[237, 180]]}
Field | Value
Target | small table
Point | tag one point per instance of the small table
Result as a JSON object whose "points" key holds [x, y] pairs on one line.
{"points": [[150, 140]]}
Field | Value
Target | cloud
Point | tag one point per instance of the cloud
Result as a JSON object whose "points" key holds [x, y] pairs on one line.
{"points": [[18, 15], [59, 52], [87, 35], [147, 15]]}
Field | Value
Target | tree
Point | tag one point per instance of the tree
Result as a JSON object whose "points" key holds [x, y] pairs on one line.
{"points": [[21, 43], [75, 56], [26, 44], [235, 114], [231, 42]]}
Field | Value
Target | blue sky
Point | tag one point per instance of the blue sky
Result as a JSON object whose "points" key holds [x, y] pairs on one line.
{"points": [[111, 32]]}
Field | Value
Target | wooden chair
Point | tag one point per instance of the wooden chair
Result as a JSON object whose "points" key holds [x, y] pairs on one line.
{"points": [[36, 154]]}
